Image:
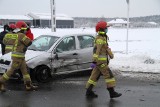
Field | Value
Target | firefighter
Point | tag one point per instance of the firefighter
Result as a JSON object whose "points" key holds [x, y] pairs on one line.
{"points": [[20, 43], [2, 34], [101, 52], [8, 45]]}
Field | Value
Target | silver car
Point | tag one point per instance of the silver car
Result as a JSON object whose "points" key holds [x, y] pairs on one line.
{"points": [[56, 53]]}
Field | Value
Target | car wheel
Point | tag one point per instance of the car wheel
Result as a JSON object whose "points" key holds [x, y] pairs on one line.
{"points": [[43, 74]]}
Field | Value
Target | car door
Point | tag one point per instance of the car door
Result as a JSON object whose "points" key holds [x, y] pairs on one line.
{"points": [[85, 44], [66, 56]]}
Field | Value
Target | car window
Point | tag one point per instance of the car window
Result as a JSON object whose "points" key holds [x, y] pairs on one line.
{"points": [[67, 44], [86, 41], [43, 43]]}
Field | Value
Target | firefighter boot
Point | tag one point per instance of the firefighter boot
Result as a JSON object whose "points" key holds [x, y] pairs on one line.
{"points": [[90, 93], [30, 87], [2, 88], [112, 93]]}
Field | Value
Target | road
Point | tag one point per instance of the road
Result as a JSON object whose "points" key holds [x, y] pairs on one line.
{"points": [[138, 91]]}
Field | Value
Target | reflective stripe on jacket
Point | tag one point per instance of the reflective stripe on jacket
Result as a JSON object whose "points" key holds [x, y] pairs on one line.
{"points": [[19, 41], [17, 54], [8, 48], [100, 51]]}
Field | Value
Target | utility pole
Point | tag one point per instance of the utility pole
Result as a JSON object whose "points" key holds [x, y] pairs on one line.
{"points": [[127, 25], [53, 16]]}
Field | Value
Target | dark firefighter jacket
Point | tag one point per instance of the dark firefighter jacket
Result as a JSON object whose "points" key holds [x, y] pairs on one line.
{"points": [[2, 34]]}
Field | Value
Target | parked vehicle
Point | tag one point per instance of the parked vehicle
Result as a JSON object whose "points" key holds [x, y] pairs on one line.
{"points": [[56, 53]]}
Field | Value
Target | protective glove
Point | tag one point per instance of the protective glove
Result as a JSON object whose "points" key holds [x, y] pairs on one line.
{"points": [[93, 65]]}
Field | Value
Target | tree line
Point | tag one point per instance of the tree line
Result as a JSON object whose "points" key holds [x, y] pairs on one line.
{"points": [[134, 21]]}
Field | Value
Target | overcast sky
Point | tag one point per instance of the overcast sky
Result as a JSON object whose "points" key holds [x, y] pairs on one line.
{"points": [[83, 8]]}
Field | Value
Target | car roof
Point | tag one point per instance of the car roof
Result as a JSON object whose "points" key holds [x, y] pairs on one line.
{"points": [[60, 33]]}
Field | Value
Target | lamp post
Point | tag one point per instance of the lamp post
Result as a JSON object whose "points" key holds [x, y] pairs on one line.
{"points": [[53, 16], [127, 26]]}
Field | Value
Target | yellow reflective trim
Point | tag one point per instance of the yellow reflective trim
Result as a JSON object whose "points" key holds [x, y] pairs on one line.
{"points": [[8, 47], [16, 43], [95, 55], [99, 41], [8, 36], [91, 82], [4, 39], [102, 59], [15, 47], [23, 28], [102, 65], [27, 76], [18, 53], [6, 76], [11, 36], [14, 36], [110, 80], [19, 56], [24, 38], [101, 33]]}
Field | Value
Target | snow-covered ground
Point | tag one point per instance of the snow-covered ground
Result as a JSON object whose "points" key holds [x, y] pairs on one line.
{"points": [[143, 51]]}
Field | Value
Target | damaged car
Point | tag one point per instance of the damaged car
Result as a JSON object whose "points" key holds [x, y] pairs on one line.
{"points": [[56, 53]]}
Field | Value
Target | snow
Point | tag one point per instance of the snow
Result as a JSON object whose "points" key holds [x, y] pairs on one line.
{"points": [[30, 16], [118, 21], [15, 17], [47, 16], [153, 23], [143, 52]]}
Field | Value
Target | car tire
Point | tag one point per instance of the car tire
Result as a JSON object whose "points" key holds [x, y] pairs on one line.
{"points": [[43, 74]]}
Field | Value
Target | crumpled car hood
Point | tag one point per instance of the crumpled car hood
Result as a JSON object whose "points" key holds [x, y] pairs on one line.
{"points": [[32, 54]]}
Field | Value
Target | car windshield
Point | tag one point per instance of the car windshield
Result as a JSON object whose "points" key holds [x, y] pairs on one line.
{"points": [[43, 43]]}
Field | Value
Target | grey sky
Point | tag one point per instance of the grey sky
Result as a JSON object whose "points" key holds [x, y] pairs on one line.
{"points": [[83, 8]]}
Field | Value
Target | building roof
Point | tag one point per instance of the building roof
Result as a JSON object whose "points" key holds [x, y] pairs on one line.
{"points": [[48, 16], [117, 21], [31, 16], [15, 17], [153, 23]]}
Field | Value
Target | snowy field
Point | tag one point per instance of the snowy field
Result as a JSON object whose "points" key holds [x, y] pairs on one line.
{"points": [[143, 52]]}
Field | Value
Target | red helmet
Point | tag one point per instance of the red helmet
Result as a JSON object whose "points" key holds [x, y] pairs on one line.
{"points": [[21, 25], [101, 25], [12, 26]]}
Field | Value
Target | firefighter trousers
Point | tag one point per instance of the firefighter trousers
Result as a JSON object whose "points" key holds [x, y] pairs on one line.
{"points": [[17, 63], [106, 72]]}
